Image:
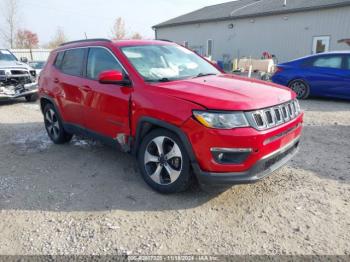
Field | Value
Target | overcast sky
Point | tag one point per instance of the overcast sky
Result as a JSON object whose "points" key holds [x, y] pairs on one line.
{"points": [[95, 17]]}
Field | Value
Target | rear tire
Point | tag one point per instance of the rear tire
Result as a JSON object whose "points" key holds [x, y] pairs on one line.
{"points": [[301, 88], [54, 126], [31, 98], [164, 163]]}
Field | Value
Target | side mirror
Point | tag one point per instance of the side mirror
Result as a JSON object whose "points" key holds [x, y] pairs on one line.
{"points": [[113, 77], [24, 60]]}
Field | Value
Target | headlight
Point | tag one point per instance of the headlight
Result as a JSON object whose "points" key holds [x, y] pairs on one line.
{"points": [[221, 120]]}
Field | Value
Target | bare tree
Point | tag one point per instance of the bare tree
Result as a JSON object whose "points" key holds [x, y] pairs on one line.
{"points": [[57, 39], [118, 30], [136, 36], [8, 33], [26, 39]]}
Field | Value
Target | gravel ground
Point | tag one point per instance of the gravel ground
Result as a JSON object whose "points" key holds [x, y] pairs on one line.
{"points": [[86, 198]]}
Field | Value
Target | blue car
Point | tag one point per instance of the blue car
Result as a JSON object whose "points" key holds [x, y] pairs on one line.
{"points": [[326, 74]]}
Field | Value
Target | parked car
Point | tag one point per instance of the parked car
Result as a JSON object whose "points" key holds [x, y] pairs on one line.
{"points": [[17, 79], [172, 109], [326, 74], [37, 65]]}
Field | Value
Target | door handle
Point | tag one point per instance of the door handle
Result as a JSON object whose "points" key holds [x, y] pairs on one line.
{"points": [[56, 81], [86, 88]]}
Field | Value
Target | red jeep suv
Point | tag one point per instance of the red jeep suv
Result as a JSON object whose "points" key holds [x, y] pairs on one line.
{"points": [[175, 111]]}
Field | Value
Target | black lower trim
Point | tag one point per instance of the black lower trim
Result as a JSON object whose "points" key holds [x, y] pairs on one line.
{"points": [[78, 130], [262, 169]]}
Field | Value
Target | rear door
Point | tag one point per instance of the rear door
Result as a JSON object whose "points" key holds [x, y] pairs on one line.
{"points": [[106, 105], [68, 82], [325, 75], [345, 91]]}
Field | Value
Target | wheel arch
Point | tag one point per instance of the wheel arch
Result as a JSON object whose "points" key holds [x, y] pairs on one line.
{"points": [[44, 100], [298, 78], [147, 124]]}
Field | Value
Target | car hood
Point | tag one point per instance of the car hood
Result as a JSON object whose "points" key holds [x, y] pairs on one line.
{"points": [[227, 92], [14, 64]]}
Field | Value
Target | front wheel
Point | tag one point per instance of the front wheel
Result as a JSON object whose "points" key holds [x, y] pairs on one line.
{"points": [[164, 163], [301, 88]]}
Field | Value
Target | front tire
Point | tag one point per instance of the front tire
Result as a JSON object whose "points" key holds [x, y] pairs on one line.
{"points": [[164, 163], [301, 88], [54, 126]]}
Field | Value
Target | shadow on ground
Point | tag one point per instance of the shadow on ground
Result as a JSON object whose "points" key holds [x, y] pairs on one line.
{"points": [[86, 175], [81, 175]]}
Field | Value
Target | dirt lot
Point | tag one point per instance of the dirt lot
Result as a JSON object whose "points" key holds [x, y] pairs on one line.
{"points": [[85, 198]]}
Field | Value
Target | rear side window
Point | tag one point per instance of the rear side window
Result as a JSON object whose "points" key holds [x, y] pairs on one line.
{"points": [[59, 59], [328, 62], [100, 60], [73, 61]]}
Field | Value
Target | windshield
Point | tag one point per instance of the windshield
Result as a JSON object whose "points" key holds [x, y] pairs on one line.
{"points": [[5, 55], [167, 62]]}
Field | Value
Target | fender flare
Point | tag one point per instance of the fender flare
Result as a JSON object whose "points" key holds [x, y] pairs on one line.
{"points": [[156, 122], [52, 101]]}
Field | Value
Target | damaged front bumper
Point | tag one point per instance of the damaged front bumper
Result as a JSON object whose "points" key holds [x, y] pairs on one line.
{"points": [[13, 92]]}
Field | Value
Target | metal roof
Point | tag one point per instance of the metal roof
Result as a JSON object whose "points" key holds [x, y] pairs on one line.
{"points": [[250, 8]]}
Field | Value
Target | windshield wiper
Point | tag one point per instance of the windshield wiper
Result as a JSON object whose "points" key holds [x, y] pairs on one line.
{"points": [[205, 74], [164, 79]]}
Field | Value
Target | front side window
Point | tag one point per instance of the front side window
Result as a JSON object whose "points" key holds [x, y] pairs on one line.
{"points": [[100, 60], [167, 62], [73, 61], [328, 62]]}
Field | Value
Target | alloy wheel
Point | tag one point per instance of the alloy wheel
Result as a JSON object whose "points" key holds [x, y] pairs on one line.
{"points": [[52, 124], [163, 160], [299, 88]]}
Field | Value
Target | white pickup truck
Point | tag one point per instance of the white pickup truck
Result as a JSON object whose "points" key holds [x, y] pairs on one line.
{"points": [[17, 79]]}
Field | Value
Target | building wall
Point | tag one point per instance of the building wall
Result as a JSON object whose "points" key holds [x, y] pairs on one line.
{"points": [[287, 36]]}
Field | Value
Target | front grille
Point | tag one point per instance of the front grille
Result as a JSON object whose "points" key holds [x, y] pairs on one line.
{"points": [[19, 72], [274, 116], [16, 80]]}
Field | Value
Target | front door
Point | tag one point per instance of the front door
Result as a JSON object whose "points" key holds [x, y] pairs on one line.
{"points": [[345, 91], [325, 75], [106, 105]]}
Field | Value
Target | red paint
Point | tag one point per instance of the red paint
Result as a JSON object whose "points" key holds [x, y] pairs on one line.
{"points": [[111, 77], [110, 109]]}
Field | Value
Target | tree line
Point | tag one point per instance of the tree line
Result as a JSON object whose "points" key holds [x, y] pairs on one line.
{"points": [[21, 38]]}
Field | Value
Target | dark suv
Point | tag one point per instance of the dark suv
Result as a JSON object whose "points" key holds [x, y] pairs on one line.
{"points": [[172, 109]]}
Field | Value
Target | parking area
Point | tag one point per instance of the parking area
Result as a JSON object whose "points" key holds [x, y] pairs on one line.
{"points": [[86, 198]]}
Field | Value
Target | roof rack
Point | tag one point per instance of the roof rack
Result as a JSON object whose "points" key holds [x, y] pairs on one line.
{"points": [[86, 40], [165, 40]]}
